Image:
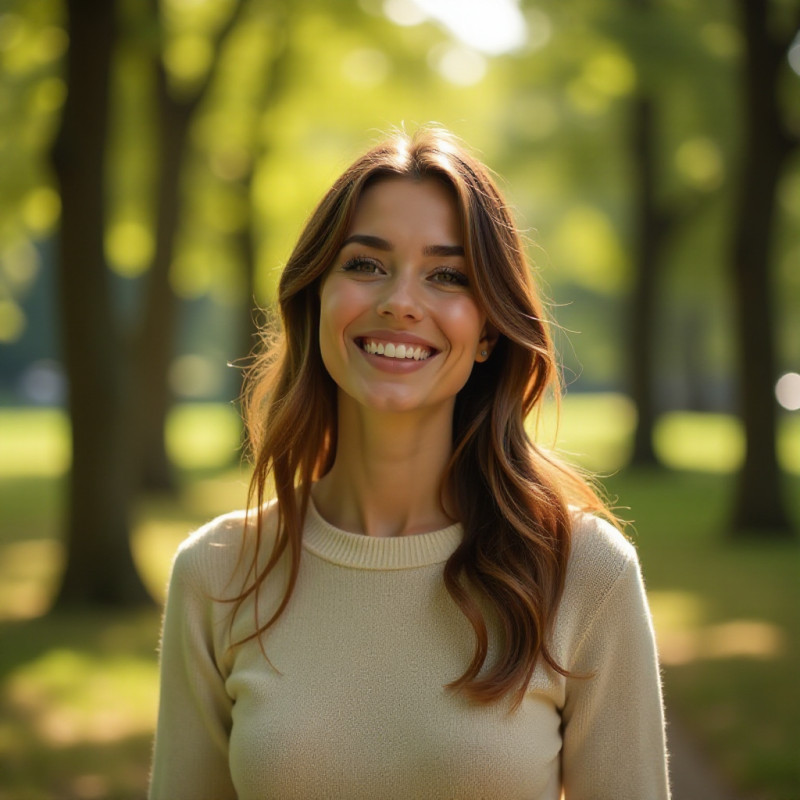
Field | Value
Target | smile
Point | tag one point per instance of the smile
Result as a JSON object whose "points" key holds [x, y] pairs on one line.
{"points": [[394, 350]]}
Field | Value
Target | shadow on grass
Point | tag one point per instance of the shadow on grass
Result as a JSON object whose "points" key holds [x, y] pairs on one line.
{"points": [[78, 690], [77, 705]]}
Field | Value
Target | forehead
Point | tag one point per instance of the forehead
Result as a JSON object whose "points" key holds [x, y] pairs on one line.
{"points": [[406, 206]]}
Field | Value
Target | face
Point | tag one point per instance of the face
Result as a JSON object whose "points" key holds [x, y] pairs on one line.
{"points": [[400, 328]]}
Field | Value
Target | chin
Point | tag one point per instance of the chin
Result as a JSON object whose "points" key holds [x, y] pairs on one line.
{"points": [[391, 404]]}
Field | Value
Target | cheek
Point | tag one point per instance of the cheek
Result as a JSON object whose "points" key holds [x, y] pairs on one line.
{"points": [[466, 322], [339, 306], [340, 303]]}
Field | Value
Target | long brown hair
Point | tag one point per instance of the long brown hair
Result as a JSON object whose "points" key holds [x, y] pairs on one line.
{"points": [[510, 496]]}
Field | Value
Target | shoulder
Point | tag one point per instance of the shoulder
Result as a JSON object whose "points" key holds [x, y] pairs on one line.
{"points": [[211, 556], [603, 565], [599, 552]]}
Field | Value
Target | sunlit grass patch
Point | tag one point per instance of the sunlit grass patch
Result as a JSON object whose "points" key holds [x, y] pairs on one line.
{"points": [[69, 696], [706, 442], [33, 442], [78, 701], [28, 570], [594, 431]]}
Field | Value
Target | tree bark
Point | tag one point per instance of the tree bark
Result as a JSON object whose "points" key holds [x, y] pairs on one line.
{"points": [[649, 233], [159, 321], [759, 507], [99, 564]]}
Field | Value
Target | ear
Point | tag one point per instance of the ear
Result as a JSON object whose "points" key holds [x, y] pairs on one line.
{"points": [[488, 340]]}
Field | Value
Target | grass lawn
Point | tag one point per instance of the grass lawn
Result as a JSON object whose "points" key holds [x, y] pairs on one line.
{"points": [[78, 693]]}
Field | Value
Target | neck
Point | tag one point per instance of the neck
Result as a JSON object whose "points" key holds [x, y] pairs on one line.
{"points": [[386, 478]]}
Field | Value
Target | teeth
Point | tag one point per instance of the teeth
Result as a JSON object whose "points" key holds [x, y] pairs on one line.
{"points": [[391, 350]]}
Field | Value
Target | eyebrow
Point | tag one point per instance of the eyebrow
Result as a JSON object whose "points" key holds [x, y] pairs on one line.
{"points": [[377, 243]]}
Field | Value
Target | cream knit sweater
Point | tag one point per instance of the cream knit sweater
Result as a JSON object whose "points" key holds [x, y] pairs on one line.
{"points": [[353, 704]]}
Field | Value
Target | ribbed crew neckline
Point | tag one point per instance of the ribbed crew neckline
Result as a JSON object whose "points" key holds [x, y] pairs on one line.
{"points": [[358, 551]]}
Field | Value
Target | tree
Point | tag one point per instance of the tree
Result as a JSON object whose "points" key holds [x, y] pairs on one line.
{"points": [[650, 225], [759, 505], [100, 568], [156, 334]]}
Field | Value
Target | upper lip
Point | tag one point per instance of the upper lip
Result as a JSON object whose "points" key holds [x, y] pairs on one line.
{"points": [[397, 337]]}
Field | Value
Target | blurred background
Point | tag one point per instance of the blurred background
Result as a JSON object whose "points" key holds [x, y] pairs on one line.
{"points": [[157, 160]]}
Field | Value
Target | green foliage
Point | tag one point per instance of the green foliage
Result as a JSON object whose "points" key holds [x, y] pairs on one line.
{"points": [[299, 87], [32, 91]]}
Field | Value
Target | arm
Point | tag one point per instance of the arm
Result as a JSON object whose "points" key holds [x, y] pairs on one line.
{"points": [[614, 745], [194, 720]]}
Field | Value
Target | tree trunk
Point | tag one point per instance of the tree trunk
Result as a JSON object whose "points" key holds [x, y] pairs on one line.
{"points": [[99, 565], [759, 506], [156, 337], [643, 302]]}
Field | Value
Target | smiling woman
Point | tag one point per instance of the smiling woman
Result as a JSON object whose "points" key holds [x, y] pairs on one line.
{"points": [[400, 328], [432, 605]]}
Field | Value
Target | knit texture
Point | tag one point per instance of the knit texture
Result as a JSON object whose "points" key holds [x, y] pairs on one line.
{"points": [[352, 703]]}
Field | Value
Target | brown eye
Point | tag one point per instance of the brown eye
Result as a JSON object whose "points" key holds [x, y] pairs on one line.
{"points": [[363, 265], [450, 276]]}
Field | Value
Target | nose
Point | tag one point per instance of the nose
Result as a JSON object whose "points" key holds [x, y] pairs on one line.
{"points": [[400, 299]]}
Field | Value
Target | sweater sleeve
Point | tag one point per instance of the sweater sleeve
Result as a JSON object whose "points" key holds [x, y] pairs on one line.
{"points": [[194, 719], [613, 724]]}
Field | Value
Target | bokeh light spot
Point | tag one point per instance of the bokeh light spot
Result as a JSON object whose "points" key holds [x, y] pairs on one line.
{"points": [[588, 248], [12, 321], [404, 12], [491, 28], [700, 162], [794, 55], [188, 57], [540, 29], [20, 264], [612, 73], [129, 246], [51, 44], [457, 64], [41, 209], [194, 376], [787, 391]]}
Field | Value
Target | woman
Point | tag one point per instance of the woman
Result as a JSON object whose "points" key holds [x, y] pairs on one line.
{"points": [[432, 606]]}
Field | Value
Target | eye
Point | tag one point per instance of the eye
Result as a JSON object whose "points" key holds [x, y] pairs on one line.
{"points": [[450, 276], [363, 265]]}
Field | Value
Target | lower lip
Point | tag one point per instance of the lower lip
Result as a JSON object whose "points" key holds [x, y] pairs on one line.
{"points": [[396, 365]]}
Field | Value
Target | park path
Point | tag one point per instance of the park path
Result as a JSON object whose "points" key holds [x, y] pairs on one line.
{"points": [[691, 773]]}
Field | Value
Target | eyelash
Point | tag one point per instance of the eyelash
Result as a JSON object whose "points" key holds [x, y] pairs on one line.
{"points": [[354, 263], [454, 277], [458, 277]]}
